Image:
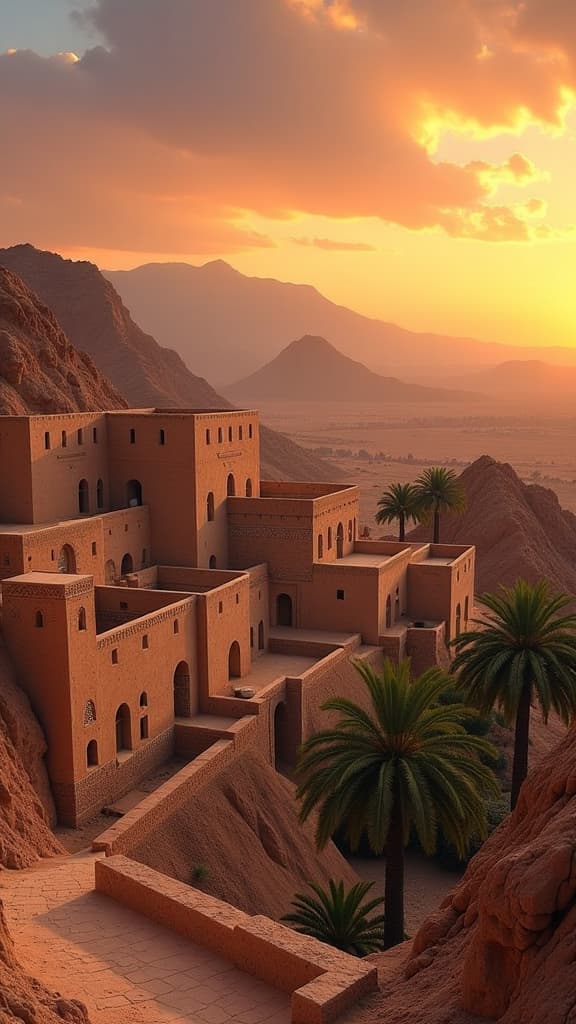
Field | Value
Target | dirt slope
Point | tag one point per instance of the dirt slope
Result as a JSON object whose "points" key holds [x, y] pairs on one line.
{"points": [[519, 529], [40, 371], [256, 852], [503, 945], [311, 369], [94, 318]]}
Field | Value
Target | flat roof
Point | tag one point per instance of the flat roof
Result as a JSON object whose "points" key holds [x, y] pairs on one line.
{"points": [[48, 578]]}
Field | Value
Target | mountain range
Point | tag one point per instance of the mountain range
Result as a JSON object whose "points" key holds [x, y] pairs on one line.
{"points": [[311, 369], [226, 325], [96, 321], [525, 380]]}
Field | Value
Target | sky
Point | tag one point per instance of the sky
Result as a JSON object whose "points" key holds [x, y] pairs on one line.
{"points": [[413, 160]]}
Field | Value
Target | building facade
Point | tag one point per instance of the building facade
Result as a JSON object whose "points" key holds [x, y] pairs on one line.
{"points": [[150, 578]]}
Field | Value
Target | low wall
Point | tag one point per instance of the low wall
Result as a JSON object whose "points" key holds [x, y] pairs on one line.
{"points": [[323, 981]]}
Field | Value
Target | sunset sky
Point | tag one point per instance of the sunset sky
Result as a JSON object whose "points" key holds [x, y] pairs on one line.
{"points": [[413, 159]]}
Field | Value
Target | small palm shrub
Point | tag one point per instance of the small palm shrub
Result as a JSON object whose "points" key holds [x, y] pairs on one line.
{"points": [[340, 917]]}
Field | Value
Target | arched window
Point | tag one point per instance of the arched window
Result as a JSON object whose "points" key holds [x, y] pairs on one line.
{"points": [[100, 494], [208, 439], [248, 488], [240, 433], [92, 754], [230, 486], [80, 436], [458, 619], [234, 660], [261, 635], [219, 435], [388, 612], [144, 699], [162, 437], [47, 440], [320, 546], [83, 498], [127, 564], [212, 564], [67, 560], [64, 439], [182, 690], [176, 627], [340, 541], [110, 572], [123, 729], [329, 538], [250, 431], [133, 493], [230, 434], [210, 507], [39, 620], [89, 712], [82, 619]]}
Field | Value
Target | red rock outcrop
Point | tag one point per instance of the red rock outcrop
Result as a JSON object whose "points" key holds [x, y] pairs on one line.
{"points": [[40, 371], [519, 529], [24, 1000], [96, 321], [256, 852], [503, 945]]}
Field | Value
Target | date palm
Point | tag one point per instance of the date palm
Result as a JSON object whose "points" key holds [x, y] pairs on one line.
{"points": [[439, 490], [340, 918], [523, 648], [399, 502], [406, 762]]}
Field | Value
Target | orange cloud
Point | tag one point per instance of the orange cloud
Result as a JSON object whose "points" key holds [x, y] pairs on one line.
{"points": [[192, 116], [331, 245]]}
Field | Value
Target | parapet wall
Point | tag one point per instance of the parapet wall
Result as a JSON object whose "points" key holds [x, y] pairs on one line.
{"points": [[323, 981]]}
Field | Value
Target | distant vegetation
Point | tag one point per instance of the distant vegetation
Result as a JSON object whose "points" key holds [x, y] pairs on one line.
{"points": [[435, 491]]}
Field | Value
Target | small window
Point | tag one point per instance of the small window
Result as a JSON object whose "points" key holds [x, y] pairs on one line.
{"points": [[115, 656], [94, 435], [212, 564], [230, 434], [240, 433], [144, 699], [124, 605], [220, 607], [162, 437], [210, 507], [251, 636], [208, 438], [176, 627], [144, 727], [64, 439], [329, 537], [82, 619], [47, 440], [249, 430], [132, 435], [320, 546], [80, 436], [237, 598], [92, 754], [39, 620], [94, 548], [339, 595], [89, 712], [219, 435], [145, 643]]}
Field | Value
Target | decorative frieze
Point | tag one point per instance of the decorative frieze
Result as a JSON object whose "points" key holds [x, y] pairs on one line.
{"points": [[49, 591]]}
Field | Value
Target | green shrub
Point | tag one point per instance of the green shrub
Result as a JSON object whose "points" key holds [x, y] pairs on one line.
{"points": [[200, 872]]}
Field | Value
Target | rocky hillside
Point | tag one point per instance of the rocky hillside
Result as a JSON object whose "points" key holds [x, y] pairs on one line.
{"points": [[519, 529], [94, 318], [311, 369], [502, 945], [256, 852], [40, 371]]}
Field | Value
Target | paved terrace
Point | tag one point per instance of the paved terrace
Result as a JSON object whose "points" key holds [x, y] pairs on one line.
{"points": [[124, 967]]}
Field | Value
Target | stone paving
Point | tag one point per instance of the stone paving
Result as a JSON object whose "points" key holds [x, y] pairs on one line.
{"points": [[125, 968]]}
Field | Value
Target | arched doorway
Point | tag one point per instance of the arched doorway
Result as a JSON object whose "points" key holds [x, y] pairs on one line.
{"points": [[388, 612], [281, 754], [110, 572], [123, 729], [230, 485], [340, 541], [127, 564], [133, 493], [182, 690], [458, 619], [234, 670], [261, 635], [284, 610], [67, 560], [83, 498]]}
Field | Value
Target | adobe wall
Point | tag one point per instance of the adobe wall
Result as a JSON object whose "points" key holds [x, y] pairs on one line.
{"points": [[57, 471], [16, 505], [436, 591], [323, 982], [341, 598], [126, 533], [276, 531], [335, 513], [259, 610], [11, 554], [223, 620], [84, 538]]}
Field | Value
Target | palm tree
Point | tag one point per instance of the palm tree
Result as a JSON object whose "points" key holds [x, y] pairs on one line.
{"points": [[524, 647], [408, 761], [439, 490], [338, 917], [399, 502]]}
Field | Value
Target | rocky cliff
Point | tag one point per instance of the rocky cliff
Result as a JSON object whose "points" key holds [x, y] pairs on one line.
{"points": [[256, 853], [96, 321], [519, 529], [40, 371]]}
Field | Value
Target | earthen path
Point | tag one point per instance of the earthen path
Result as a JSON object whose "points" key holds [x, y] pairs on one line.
{"points": [[126, 969]]}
